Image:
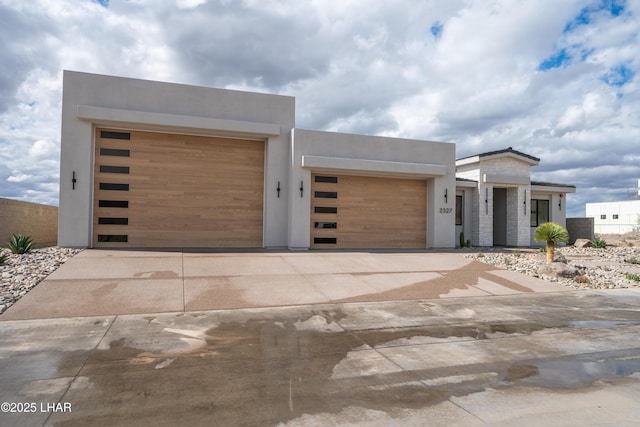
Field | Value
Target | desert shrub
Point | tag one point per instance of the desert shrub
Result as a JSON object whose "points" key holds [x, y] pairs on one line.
{"points": [[19, 244], [3, 258], [633, 276], [632, 260], [599, 243]]}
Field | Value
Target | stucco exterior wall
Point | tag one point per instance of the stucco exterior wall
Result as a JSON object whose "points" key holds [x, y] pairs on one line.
{"points": [[374, 156], [29, 219], [91, 100], [628, 219]]}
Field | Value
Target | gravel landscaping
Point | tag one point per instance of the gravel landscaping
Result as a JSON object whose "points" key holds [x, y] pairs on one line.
{"points": [[608, 268], [20, 273]]}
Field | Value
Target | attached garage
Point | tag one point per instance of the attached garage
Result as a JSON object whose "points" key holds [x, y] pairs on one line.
{"points": [[364, 212], [168, 190]]}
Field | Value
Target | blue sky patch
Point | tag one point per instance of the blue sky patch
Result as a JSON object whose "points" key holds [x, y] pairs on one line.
{"points": [[104, 3], [557, 60], [436, 29], [618, 76], [614, 7]]}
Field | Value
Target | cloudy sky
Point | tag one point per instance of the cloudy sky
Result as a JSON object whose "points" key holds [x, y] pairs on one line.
{"points": [[557, 79]]}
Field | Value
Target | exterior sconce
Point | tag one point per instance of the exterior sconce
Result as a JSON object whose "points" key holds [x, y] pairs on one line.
{"points": [[446, 195], [73, 180], [278, 189], [560, 202], [486, 200], [525, 202], [301, 188]]}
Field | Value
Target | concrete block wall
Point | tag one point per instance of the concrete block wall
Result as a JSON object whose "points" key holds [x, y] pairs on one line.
{"points": [[31, 219], [580, 228]]}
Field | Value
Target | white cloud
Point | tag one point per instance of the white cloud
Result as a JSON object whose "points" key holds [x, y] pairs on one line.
{"points": [[354, 66]]}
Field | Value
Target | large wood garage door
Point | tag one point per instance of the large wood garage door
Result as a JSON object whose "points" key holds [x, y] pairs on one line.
{"points": [[166, 190], [367, 212]]}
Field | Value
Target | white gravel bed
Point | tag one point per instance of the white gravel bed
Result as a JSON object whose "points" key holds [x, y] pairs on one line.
{"points": [[605, 268], [20, 273]]}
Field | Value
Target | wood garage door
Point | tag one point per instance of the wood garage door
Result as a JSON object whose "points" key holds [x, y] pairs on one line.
{"points": [[165, 190], [367, 212]]}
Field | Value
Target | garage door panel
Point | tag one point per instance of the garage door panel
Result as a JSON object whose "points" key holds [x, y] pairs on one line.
{"points": [[183, 191], [371, 212]]}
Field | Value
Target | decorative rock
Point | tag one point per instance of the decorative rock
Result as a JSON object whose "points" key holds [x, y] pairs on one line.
{"points": [[557, 270], [558, 257], [583, 243]]}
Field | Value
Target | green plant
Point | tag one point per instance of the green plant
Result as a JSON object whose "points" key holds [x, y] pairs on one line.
{"points": [[633, 276], [462, 239], [480, 255], [552, 233], [468, 243], [3, 258], [517, 253], [632, 260], [507, 262], [19, 244], [599, 243]]}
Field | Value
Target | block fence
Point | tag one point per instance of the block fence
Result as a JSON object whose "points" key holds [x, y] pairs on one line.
{"points": [[30, 219], [580, 228]]}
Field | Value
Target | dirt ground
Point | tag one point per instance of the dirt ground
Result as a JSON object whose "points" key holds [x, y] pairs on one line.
{"points": [[627, 239]]}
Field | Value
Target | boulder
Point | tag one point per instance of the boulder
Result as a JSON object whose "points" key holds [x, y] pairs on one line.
{"points": [[558, 270], [583, 243], [558, 257]]}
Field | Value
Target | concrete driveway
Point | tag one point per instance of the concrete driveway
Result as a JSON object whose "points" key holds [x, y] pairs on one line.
{"points": [[531, 359], [315, 339], [107, 282]]}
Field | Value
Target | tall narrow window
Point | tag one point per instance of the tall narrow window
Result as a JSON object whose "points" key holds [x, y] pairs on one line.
{"points": [[458, 210]]}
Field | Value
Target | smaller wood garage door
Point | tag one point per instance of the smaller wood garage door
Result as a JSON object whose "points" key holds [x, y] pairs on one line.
{"points": [[165, 190], [367, 212]]}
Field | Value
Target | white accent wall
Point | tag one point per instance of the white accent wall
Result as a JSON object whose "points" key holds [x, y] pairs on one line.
{"points": [[628, 219]]}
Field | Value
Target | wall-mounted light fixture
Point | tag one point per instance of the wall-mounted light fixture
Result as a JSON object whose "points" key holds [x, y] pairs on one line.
{"points": [[301, 188], [73, 180], [446, 196], [486, 200], [560, 202], [278, 189], [525, 202]]}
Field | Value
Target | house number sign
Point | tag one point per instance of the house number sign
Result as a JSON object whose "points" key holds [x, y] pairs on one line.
{"points": [[446, 210]]}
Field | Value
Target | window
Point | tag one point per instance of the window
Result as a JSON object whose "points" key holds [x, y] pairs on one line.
{"points": [[326, 194], [115, 135], [539, 212], [321, 209], [603, 217], [330, 179], [114, 152], [458, 210], [615, 216]]}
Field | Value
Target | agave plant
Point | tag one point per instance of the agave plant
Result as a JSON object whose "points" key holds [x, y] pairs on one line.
{"points": [[3, 258], [552, 233], [19, 244]]}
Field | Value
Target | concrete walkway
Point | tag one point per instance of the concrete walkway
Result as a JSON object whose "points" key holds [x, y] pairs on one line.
{"points": [[107, 282]]}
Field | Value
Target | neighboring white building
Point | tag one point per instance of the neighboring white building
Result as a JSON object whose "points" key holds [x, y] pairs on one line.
{"points": [[615, 217], [153, 164]]}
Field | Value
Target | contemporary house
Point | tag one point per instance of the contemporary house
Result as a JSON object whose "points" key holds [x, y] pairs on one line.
{"points": [[153, 164]]}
